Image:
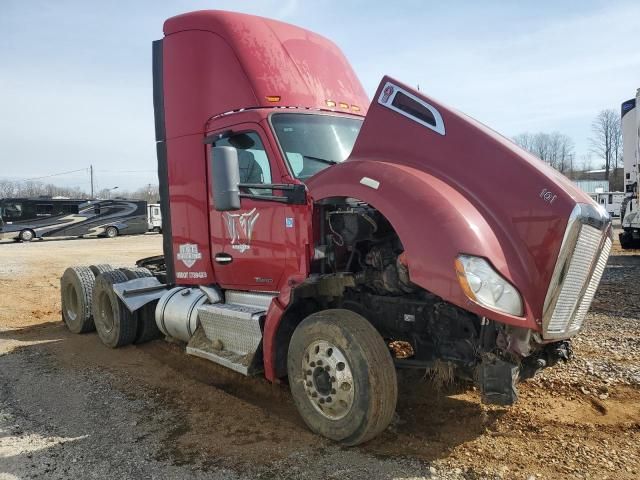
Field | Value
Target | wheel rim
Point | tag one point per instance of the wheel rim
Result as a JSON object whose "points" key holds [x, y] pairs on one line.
{"points": [[328, 379], [27, 235], [106, 312], [71, 302], [111, 232]]}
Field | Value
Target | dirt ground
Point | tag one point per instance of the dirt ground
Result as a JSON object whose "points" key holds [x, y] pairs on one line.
{"points": [[72, 408]]}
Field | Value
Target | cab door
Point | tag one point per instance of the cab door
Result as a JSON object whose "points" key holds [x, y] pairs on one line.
{"points": [[248, 246]]}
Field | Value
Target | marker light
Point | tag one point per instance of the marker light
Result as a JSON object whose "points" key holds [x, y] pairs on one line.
{"points": [[355, 108], [482, 284], [331, 103], [273, 98], [344, 105]]}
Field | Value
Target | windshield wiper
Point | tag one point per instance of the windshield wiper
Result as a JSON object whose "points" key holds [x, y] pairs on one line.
{"points": [[318, 159]]}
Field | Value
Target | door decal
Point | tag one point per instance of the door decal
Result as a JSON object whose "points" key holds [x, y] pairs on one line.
{"points": [[240, 229], [189, 254]]}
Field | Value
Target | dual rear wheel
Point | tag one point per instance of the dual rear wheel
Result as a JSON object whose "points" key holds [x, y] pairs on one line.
{"points": [[89, 303]]}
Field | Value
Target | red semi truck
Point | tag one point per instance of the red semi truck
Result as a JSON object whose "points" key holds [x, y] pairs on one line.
{"points": [[318, 238]]}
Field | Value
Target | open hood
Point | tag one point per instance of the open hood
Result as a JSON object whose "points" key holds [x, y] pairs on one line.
{"points": [[449, 185]]}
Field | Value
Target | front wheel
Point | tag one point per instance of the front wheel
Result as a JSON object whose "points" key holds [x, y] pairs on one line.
{"points": [[342, 376], [26, 235], [111, 232]]}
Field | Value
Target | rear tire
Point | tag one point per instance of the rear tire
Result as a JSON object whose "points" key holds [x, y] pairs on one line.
{"points": [[146, 316], [342, 376], [100, 268], [76, 290], [136, 272], [115, 324], [111, 232], [147, 328], [26, 235]]}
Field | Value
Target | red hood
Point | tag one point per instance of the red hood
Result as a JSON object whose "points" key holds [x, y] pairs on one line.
{"points": [[450, 185]]}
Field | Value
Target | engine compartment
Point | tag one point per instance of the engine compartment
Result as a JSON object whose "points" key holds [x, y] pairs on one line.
{"points": [[358, 245]]}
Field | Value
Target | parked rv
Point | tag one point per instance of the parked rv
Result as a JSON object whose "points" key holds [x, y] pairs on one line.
{"points": [[23, 219], [610, 201], [154, 217]]}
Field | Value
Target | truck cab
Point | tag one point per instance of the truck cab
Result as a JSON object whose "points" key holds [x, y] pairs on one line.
{"points": [[322, 239]]}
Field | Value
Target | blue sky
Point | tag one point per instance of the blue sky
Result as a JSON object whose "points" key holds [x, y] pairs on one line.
{"points": [[75, 76]]}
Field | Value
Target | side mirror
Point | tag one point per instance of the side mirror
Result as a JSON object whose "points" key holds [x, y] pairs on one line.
{"points": [[225, 171]]}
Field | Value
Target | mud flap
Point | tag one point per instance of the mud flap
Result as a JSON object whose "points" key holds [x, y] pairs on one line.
{"points": [[497, 379]]}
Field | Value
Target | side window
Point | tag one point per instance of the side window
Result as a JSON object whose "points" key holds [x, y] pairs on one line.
{"points": [[252, 158], [44, 210], [70, 208], [12, 211]]}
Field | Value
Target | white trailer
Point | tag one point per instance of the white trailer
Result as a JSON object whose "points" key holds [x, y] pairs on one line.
{"points": [[610, 201], [154, 217], [630, 236]]}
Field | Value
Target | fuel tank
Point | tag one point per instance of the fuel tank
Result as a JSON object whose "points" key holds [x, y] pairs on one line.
{"points": [[451, 186]]}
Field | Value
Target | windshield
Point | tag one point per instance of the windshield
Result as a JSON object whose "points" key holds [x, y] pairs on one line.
{"points": [[10, 211], [312, 143]]}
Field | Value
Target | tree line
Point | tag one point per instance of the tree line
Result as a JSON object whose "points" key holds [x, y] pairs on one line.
{"points": [[554, 148], [13, 189], [558, 150]]}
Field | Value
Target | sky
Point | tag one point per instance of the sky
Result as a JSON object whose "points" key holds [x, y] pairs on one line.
{"points": [[75, 76]]}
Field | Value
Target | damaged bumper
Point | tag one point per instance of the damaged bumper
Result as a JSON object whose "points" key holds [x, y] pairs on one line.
{"points": [[498, 377]]}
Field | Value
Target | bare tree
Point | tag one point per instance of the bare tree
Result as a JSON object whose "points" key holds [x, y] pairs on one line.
{"points": [[555, 149], [524, 140], [606, 141]]}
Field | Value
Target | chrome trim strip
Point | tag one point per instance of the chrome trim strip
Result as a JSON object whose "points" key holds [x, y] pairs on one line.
{"points": [[582, 214]]}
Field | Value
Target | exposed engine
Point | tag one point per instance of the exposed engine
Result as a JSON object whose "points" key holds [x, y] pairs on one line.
{"points": [[421, 329]]}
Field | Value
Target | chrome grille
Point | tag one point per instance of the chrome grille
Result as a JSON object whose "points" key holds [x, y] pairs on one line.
{"points": [[590, 293], [579, 284]]}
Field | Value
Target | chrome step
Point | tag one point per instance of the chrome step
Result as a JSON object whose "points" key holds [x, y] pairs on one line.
{"points": [[249, 299], [229, 334]]}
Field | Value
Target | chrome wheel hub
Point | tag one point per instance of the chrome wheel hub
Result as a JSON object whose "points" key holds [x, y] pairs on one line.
{"points": [[328, 380]]}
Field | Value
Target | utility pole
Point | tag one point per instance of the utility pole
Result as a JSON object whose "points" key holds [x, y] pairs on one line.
{"points": [[91, 171]]}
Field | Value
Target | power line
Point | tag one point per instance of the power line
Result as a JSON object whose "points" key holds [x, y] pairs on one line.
{"points": [[55, 174], [127, 171]]}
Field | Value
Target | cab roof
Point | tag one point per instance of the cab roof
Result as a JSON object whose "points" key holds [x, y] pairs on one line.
{"points": [[283, 65]]}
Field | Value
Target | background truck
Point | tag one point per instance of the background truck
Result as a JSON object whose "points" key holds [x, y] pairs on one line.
{"points": [[320, 239], [154, 217], [23, 219], [630, 236], [610, 201]]}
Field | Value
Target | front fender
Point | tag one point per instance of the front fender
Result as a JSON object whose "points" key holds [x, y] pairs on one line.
{"points": [[435, 223]]}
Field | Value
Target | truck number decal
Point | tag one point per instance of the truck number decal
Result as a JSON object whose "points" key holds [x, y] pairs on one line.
{"points": [[548, 196], [191, 275]]}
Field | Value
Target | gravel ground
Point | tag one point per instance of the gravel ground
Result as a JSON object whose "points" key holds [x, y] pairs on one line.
{"points": [[71, 408]]}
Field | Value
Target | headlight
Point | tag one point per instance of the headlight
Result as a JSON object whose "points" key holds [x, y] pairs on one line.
{"points": [[482, 284]]}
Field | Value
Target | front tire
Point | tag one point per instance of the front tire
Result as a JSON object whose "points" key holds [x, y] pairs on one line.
{"points": [[342, 376], [26, 235], [111, 232]]}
